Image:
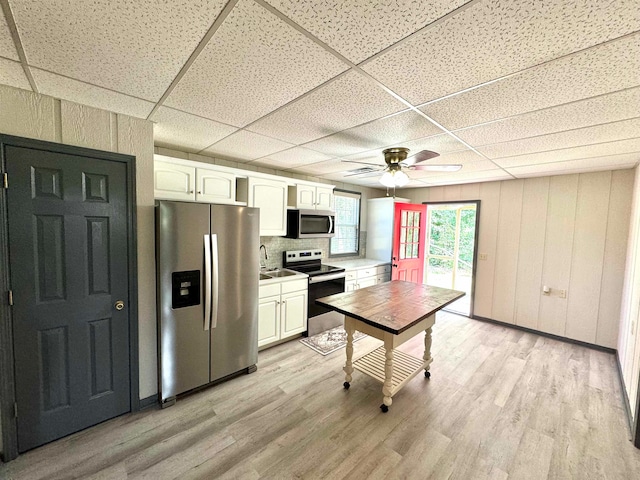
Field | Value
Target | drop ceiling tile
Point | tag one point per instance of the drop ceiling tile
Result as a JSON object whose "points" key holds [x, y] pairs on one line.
{"points": [[397, 128], [469, 165], [244, 146], [493, 38], [12, 73], [604, 69], [575, 153], [7, 47], [321, 168], [358, 29], [348, 101], [294, 157], [80, 92], [574, 138], [438, 143], [456, 178], [592, 111], [178, 129], [614, 162], [253, 64], [131, 47]]}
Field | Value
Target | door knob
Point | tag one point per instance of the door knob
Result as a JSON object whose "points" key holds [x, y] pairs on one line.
{"points": [[119, 305], [394, 265]]}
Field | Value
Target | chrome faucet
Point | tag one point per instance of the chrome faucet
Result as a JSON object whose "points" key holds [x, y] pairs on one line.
{"points": [[263, 265]]}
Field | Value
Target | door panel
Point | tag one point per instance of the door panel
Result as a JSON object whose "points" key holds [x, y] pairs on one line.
{"points": [[408, 242], [67, 219]]}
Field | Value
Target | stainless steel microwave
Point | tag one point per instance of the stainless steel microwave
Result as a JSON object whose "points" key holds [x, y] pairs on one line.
{"points": [[310, 224]]}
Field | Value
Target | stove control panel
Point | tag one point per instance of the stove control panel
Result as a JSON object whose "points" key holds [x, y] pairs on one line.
{"points": [[292, 256]]}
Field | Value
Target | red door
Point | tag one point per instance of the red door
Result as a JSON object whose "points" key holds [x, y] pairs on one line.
{"points": [[409, 224]]}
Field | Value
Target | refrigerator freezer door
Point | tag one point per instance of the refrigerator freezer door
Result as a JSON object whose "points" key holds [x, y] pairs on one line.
{"points": [[234, 340], [184, 343]]}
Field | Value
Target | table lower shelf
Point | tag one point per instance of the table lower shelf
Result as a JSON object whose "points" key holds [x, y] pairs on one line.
{"points": [[405, 367]]}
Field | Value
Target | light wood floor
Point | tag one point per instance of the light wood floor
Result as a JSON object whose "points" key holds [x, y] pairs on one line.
{"points": [[500, 404]]}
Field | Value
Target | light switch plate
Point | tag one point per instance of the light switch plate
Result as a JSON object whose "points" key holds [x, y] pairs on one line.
{"points": [[483, 256]]}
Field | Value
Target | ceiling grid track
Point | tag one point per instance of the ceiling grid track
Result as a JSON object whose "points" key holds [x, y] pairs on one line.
{"points": [[13, 28], [194, 55], [372, 79]]}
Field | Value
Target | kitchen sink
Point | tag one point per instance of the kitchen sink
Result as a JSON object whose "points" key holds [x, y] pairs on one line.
{"points": [[280, 273], [264, 277]]}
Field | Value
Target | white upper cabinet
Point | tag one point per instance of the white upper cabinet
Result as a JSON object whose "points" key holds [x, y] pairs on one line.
{"points": [[310, 197], [215, 187], [174, 182], [270, 196]]}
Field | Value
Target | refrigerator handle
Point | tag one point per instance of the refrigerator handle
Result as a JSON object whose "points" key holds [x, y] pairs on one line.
{"points": [[215, 282], [207, 281]]}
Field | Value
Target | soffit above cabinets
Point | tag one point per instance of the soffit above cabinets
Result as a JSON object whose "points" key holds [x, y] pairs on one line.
{"points": [[507, 89]]}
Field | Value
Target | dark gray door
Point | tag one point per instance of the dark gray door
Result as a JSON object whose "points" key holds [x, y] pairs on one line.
{"points": [[68, 255]]}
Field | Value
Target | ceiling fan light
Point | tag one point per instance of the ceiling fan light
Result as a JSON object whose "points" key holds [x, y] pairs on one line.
{"points": [[400, 178], [387, 180], [394, 178]]}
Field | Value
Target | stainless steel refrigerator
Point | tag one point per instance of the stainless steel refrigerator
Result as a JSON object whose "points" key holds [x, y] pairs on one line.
{"points": [[208, 268]]}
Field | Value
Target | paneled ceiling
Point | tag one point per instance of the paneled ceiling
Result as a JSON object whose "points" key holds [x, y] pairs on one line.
{"points": [[506, 88]]}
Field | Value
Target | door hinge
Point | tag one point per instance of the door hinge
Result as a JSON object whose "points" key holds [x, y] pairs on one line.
{"points": [[11, 297], [5, 180], [15, 410]]}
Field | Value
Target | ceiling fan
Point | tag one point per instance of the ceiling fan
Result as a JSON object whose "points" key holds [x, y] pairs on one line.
{"points": [[397, 159]]}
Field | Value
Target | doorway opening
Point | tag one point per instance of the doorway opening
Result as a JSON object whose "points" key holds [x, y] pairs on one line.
{"points": [[452, 232]]}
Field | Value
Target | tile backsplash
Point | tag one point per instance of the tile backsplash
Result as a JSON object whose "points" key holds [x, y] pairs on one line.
{"points": [[276, 245]]}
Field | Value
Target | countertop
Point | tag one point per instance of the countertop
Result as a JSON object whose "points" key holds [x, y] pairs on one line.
{"points": [[391, 306], [357, 263]]}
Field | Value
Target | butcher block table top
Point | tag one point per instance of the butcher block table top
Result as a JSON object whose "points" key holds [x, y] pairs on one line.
{"points": [[392, 306]]}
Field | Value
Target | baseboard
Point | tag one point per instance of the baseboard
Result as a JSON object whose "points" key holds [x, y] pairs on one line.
{"points": [[547, 335], [149, 402], [625, 398]]}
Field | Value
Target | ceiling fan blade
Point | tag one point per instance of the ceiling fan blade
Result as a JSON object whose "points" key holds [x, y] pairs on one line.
{"points": [[363, 174], [363, 163], [436, 168], [420, 157]]}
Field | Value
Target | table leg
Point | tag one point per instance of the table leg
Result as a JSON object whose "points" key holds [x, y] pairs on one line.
{"points": [[348, 366], [388, 376], [427, 352]]}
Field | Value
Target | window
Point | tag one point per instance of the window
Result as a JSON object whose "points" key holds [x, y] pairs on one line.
{"points": [[347, 226]]}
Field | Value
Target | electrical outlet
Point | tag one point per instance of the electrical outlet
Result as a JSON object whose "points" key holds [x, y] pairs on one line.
{"points": [[483, 256], [562, 293]]}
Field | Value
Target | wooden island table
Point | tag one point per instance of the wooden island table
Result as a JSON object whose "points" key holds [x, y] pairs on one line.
{"points": [[393, 312]]}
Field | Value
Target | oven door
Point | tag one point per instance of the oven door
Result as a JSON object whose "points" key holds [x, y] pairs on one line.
{"points": [[323, 286]]}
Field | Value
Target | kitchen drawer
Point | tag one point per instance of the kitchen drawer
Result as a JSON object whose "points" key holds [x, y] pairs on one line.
{"points": [[269, 290], [366, 272], [351, 275], [382, 269], [383, 278], [294, 285]]}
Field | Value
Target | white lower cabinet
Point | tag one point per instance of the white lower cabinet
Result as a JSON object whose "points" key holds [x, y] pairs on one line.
{"points": [[282, 310], [366, 277]]}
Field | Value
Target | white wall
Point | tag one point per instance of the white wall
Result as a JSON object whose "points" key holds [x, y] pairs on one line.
{"points": [[568, 232], [629, 340], [27, 114]]}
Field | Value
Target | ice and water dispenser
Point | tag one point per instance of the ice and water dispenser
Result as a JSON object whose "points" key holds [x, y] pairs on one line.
{"points": [[185, 289]]}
